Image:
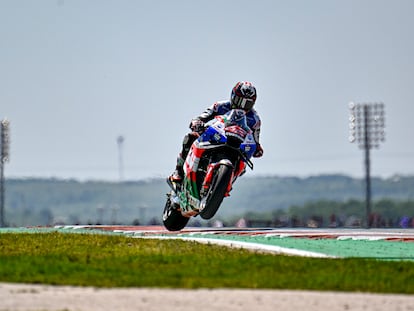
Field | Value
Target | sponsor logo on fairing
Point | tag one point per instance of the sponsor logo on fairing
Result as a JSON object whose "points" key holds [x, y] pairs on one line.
{"points": [[217, 136]]}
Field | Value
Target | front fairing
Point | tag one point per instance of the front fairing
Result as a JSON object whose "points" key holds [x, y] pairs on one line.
{"points": [[248, 147], [215, 133]]}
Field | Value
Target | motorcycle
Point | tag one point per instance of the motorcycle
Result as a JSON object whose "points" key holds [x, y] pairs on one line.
{"points": [[215, 160]]}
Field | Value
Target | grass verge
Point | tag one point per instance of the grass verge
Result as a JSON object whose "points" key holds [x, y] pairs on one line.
{"points": [[120, 261]]}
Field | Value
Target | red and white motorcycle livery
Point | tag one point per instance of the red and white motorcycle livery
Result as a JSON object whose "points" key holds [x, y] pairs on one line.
{"points": [[214, 162]]}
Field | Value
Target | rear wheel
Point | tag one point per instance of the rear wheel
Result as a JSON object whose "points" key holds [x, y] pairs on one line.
{"points": [[215, 194], [172, 218]]}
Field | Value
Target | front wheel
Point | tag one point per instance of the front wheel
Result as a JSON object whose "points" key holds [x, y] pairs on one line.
{"points": [[218, 188], [172, 218]]}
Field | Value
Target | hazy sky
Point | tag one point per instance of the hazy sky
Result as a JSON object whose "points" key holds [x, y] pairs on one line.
{"points": [[76, 74]]}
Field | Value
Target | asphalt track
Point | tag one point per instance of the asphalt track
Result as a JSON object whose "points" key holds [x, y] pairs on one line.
{"points": [[381, 244]]}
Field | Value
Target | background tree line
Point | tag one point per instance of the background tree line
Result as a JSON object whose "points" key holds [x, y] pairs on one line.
{"points": [[32, 202]]}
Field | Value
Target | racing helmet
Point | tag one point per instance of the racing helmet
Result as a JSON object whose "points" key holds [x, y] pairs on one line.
{"points": [[243, 96]]}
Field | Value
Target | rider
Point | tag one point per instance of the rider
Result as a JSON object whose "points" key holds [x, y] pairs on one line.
{"points": [[243, 96]]}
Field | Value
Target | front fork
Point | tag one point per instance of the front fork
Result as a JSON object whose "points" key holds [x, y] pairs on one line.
{"points": [[210, 173]]}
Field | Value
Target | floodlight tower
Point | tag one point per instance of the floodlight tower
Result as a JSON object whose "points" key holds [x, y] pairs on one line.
{"points": [[4, 157], [366, 128]]}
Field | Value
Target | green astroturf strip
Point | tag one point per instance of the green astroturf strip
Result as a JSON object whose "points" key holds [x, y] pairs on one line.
{"points": [[379, 249]]}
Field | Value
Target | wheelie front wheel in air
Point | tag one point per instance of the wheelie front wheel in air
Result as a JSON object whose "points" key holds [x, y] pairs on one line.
{"points": [[172, 218], [215, 194]]}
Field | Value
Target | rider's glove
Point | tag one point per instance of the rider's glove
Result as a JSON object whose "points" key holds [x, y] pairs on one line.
{"points": [[259, 151], [197, 125]]}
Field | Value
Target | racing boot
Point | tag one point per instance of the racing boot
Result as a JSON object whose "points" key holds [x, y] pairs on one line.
{"points": [[178, 174]]}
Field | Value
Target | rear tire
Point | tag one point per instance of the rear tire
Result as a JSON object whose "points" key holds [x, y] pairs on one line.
{"points": [[172, 218], [217, 190]]}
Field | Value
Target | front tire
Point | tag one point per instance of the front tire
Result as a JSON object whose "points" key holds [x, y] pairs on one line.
{"points": [[172, 218], [218, 188]]}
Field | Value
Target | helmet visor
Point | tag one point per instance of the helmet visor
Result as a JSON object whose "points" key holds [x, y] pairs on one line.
{"points": [[243, 103]]}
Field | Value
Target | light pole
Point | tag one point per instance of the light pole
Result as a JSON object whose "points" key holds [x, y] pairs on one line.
{"points": [[366, 128], [4, 157], [120, 141]]}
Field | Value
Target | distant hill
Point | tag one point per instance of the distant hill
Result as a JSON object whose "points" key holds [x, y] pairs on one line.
{"points": [[31, 202]]}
